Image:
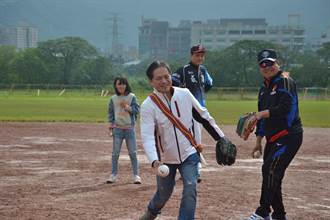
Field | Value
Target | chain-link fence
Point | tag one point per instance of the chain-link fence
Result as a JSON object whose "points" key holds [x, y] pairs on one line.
{"points": [[216, 93]]}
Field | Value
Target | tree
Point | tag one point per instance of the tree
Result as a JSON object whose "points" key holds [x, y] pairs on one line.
{"points": [[237, 65], [94, 71], [65, 54], [324, 55], [30, 67], [7, 56], [306, 70]]}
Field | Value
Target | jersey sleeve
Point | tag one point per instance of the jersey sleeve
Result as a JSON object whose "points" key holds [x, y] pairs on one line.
{"points": [[208, 81], [177, 77], [286, 94]]}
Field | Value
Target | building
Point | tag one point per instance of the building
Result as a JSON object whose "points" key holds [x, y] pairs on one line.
{"points": [[158, 40], [153, 38], [179, 40], [222, 33], [21, 36]]}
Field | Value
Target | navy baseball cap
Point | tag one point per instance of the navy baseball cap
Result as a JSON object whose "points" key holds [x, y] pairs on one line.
{"points": [[267, 54], [197, 49]]}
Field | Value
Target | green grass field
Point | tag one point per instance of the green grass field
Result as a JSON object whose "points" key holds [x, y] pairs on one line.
{"points": [[94, 109]]}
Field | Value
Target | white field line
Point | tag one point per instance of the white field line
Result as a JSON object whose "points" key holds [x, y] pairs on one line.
{"points": [[14, 145]]}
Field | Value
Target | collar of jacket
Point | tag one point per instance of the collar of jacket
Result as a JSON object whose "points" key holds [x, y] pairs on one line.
{"points": [[159, 94], [194, 66], [271, 81]]}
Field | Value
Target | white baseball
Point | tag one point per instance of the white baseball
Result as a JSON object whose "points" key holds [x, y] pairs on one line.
{"points": [[163, 170]]}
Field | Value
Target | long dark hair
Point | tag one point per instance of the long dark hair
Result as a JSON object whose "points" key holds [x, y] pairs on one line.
{"points": [[154, 65], [122, 80]]}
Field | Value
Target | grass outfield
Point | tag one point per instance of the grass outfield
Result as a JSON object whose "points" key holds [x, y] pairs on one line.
{"points": [[94, 109]]}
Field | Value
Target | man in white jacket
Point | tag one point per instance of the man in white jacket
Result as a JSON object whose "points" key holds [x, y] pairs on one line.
{"points": [[164, 143]]}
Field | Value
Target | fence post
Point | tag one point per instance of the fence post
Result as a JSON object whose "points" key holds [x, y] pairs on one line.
{"points": [[242, 93], [326, 93], [305, 93], [219, 93]]}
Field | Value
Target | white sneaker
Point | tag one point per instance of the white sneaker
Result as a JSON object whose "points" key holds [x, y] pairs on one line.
{"points": [[112, 179], [257, 217], [136, 179]]}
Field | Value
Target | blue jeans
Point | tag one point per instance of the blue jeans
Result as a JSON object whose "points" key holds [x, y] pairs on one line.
{"points": [[165, 185], [118, 136]]}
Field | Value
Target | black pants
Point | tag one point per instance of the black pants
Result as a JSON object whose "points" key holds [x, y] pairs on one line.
{"points": [[277, 157]]}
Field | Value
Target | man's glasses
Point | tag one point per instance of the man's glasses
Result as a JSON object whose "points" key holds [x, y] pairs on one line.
{"points": [[266, 63]]}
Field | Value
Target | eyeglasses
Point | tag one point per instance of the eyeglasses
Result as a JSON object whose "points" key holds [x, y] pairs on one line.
{"points": [[266, 63]]}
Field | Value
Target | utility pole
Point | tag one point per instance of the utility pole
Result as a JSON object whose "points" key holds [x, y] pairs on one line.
{"points": [[113, 32]]}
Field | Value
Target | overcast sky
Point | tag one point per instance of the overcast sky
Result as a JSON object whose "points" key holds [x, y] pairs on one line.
{"points": [[88, 18]]}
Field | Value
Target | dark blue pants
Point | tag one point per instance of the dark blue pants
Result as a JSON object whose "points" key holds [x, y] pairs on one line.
{"points": [[277, 157]]}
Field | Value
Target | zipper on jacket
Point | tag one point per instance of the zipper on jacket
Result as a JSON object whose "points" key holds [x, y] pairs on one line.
{"points": [[176, 136], [177, 109]]}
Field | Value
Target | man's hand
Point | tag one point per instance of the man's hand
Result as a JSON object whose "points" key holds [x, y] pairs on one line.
{"points": [[155, 164], [199, 148], [257, 151]]}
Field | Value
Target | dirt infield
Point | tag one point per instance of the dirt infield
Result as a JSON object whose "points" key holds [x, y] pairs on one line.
{"points": [[58, 171]]}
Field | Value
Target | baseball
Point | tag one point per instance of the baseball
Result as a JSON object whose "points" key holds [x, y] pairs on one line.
{"points": [[163, 170], [256, 154]]}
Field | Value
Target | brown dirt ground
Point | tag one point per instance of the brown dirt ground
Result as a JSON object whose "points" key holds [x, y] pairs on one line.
{"points": [[58, 171]]}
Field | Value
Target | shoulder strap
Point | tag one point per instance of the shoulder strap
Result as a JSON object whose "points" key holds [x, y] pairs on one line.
{"points": [[173, 119]]}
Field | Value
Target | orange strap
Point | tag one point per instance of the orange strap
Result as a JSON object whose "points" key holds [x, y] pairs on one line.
{"points": [[173, 119]]}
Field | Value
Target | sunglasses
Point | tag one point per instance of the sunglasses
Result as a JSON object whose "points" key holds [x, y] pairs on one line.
{"points": [[266, 63]]}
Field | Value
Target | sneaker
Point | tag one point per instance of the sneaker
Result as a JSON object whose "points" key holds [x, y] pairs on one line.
{"points": [[148, 216], [112, 179], [257, 217], [136, 179]]}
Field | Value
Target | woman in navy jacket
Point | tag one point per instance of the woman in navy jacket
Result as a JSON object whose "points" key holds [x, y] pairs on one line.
{"points": [[279, 122]]}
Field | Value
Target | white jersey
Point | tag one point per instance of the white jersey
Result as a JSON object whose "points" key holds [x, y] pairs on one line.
{"points": [[161, 139]]}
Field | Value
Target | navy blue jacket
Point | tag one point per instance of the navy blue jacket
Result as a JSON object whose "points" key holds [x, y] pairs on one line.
{"points": [[195, 78], [279, 96]]}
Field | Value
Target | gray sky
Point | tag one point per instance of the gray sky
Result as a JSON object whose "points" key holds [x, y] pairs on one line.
{"points": [[88, 18]]}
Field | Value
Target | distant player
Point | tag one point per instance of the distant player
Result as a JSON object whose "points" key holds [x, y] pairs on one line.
{"points": [[195, 77]]}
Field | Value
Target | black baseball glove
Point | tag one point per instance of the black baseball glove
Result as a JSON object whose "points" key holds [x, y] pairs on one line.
{"points": [[225, 152]]}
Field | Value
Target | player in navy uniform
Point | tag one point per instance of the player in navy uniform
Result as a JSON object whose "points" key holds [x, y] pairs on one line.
{"points": [[195, 77], [279, 122]]}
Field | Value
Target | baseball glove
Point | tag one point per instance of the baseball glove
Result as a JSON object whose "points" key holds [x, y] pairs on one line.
{"points": [[246, 124], [225, 152]]}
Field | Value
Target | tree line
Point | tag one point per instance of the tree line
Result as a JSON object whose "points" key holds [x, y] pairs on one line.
{"points": [[72, 60]]}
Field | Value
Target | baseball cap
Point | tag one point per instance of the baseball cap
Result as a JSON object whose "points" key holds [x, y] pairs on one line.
{"points": [[197, 49], [267, 54]]}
